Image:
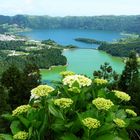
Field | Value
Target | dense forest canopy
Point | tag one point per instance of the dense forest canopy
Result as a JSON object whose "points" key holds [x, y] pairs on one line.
{"points": [[123, 47], [21, 53], [114, 23]]}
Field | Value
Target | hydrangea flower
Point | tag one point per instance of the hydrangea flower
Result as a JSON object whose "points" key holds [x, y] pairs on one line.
{"points": [[63, 102], [66, 73], [41, 90], [80, 79], [100, 81], [102, 104], [21, 136], [131, 112], [20, 110], [122, 95], [91, 123], [74, 89], [119, 122]]}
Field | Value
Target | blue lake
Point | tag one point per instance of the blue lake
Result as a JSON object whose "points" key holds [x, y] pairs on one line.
{"points": [[67, 36]]}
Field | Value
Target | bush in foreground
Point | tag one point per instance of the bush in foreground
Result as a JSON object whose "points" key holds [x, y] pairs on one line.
{"points": [[77, 109]]}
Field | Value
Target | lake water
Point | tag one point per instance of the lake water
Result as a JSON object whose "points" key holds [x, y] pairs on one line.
{"points": [[81, 61], [67, 36]]}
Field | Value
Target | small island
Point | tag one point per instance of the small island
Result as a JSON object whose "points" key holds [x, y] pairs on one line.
{"points": [[89, 41]]}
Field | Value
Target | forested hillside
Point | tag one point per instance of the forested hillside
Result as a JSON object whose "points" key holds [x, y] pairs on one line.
{"points": [[114, 23], [20, 53], [123, 47]]}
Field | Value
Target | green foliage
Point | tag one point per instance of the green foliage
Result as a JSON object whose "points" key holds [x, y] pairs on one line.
{"points": [[89, 41], [48, 42], [46, 58], [6, 137], [43, 58], [31, 76], [11, 28], [106, 72], [75, 116], [15, 127], [19, 83], [122, 48], [11, 45], [11, 79], [4, 108], [4, 97], [130, 79]]}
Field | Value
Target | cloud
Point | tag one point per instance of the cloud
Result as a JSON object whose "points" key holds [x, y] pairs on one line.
{"points": [[13, 9], [29, 2], [69, 7]]}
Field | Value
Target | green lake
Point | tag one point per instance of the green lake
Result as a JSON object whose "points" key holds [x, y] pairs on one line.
{"points": [[83, 61]]}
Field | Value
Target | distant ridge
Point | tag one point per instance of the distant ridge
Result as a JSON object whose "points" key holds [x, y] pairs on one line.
{"points": [[111, 23]]}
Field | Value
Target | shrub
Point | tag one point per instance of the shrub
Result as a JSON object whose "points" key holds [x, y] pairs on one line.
{"points": [[77, 109]]}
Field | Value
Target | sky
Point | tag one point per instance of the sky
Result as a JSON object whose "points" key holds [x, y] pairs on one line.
{"points": [[70, 7]]}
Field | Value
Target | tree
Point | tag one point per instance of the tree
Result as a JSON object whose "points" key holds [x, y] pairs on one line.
{"points": [[130, 81], [11, 79], [4, 97], [31, 79], [130, 72], [106, 72], [19, 83], [4, 108]]}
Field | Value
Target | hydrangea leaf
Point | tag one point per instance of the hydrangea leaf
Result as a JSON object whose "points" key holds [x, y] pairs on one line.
{"points": [[15, 127]]}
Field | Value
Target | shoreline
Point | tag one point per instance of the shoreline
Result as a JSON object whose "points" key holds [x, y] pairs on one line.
{"points": [[51, 67], [66, 49], [77, 48], [95, 49], [129, 34]]}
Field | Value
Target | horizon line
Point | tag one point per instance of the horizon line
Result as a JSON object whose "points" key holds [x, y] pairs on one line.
{"points": [[71, 15]]}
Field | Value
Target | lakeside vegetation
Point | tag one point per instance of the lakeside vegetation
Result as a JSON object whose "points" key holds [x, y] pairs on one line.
{"points": [[119, 48], [55, 44], [89, 41], [21, 53], [122, 47], [12, 28]]}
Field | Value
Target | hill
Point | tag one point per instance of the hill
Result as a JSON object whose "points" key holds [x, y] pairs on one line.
{"points": [[123, 47], [22, 52], [112, 23]]}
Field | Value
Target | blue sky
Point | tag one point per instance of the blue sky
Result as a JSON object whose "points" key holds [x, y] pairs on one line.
{"points": [[70, 7]]}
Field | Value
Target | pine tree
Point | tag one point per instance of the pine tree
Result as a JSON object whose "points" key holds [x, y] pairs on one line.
{"points": [[130, 81], [32, 75], [20, 83], [11, 79], [106, 72], [4, 108], [4, 97], [31, 79]]}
